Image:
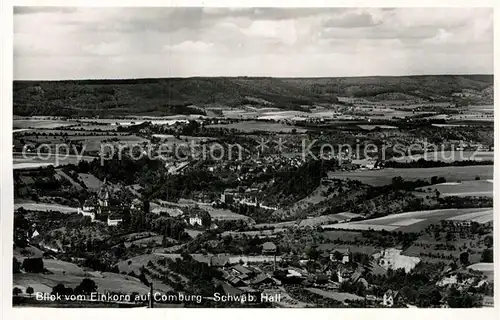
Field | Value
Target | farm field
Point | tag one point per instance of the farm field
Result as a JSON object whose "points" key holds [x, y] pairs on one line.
{"points": [[90, 181], [384, 176], [134, 264], [371, 127], [135, 121], [485, 267], [251, 126], [34, 161], [427, 243], [316, 221], [409, 221], [479, 188], [93, 143], [41, 123], [449, 156], [223, 214], [480, 217], [60, 267], [258, 233], [44, 207], [106, 281]]}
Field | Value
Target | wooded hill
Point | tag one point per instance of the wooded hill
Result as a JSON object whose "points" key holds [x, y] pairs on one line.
{"points": [[167, 96]]}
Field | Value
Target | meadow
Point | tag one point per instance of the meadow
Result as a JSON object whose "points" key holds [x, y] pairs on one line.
{"points": [[479, 188], [409, 221], [252, 126], [449, 156], [384, 176]]}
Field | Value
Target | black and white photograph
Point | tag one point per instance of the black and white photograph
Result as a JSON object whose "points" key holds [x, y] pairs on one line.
{"points": [[251, 157]]}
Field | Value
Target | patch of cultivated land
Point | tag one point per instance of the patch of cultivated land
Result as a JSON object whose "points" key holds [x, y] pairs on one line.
{"points": [[35, 161], [478, 188], [449, 156], [41, 124], [44, 207], [316, 221], [62, 267], [409, 220], [222, 214], [250, 126], [135, 263], [445, 251], [384, 176], [106, 281], [90, 181]]}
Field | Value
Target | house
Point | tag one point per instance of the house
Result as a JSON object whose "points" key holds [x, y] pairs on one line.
{"points": [[195, 221], [268, 248], [136, 204], [368, 164], [347, 257], [114, 221], [241, 271], [344, 273], [87, 211], [392, 298], [229, 196]]}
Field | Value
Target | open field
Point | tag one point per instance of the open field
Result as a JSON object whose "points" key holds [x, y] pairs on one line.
{"points": [[316, 221], [371, 127], [90, 181], [44, 207], [135, 121], [93, 143], [62, 267], [479, 217], [134, 264], [479, 188], [384, 176], [106, 281], [41, 123], [251, 126], [409, 220], [216, 213], [32, 160], [256, 233], [449, 156]]}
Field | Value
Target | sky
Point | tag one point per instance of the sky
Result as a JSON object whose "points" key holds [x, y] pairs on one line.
{"points": [[56, 43]]}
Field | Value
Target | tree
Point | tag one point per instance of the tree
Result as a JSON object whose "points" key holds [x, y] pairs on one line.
{"points": [[30, 291], [16, 291], [61, 289], [464, 258], [87, 286], [16, 266], [34, 265], [487, 255]]}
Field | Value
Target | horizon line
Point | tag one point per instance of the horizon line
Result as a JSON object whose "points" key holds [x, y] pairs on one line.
{"points": [[256, 77]]}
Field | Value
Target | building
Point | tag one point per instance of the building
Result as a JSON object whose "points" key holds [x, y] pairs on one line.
{"points": [[87, 213], [103, 197], [114, 221], [195, 220], [347, 257], [268, 248], [392, 298], [344, 273], [229, 196], [87, 210]]}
